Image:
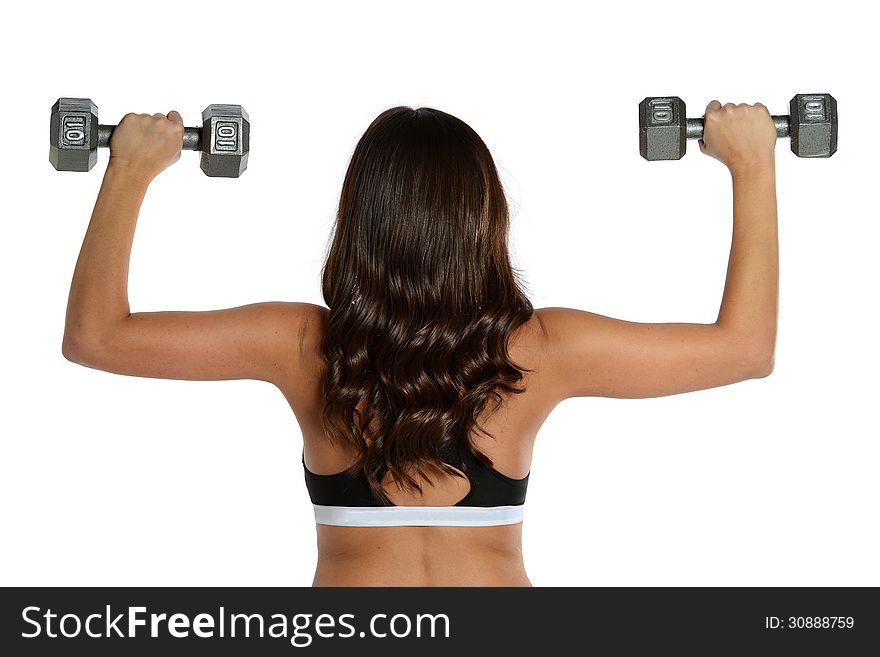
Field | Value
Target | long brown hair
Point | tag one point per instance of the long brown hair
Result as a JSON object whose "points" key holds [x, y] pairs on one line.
{"points": [[422, 296]]}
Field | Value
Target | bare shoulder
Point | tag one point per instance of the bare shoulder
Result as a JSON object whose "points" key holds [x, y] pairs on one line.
{"points": [[296, 328], [305, 325], [530, 338], [311, 327], [527, 348]]}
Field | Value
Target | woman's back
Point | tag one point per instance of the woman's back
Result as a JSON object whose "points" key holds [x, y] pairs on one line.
{"points": [[429, 555]]}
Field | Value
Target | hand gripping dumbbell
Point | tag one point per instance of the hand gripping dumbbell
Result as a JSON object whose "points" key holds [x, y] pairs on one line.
{"points": [[75, 136], [811, 125]]}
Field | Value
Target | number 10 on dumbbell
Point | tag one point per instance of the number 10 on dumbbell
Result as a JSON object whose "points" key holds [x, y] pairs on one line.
{"points": [[664, 128], [223, 138]]}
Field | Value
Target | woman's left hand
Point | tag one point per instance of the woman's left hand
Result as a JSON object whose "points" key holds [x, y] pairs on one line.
{"points": [[147, 145]]}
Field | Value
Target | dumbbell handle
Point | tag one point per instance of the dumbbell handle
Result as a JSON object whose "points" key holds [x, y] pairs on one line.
{"points": [[782, 123], [192, 137]]}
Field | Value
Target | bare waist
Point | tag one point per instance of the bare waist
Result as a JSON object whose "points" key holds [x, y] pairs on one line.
{"points": [[420, 556]]}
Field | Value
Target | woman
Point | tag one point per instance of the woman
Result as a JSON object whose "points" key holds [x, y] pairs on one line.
{"points": [[420, 391]]}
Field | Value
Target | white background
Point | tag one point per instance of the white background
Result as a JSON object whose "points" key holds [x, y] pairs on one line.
{"points": [[113, 480]]}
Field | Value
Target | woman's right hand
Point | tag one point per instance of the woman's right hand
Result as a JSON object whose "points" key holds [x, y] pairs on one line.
{"points": [[741, 136]]}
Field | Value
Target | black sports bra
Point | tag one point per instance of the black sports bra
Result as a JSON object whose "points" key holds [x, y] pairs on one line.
{"points": [[494, 498]]}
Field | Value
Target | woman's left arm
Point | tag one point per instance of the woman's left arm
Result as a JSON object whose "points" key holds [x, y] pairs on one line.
{"points": [[262, 341]]}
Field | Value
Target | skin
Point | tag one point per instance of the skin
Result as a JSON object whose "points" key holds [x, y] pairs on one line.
{"points": [[572, 353]]}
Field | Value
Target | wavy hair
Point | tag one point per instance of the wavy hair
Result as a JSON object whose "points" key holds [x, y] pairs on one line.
{"points": [[422, 295]]}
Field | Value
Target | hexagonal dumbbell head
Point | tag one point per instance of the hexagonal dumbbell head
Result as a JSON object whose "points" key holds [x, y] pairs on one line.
{"points": [[662, 128], [813, 128], [226, 136], [73, 134]]}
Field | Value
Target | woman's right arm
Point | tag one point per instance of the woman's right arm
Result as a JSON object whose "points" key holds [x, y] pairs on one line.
{"points": [[594, 355]]}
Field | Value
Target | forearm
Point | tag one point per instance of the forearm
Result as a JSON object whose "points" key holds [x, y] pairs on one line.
{"points": [[99, 288], [750, 302]]}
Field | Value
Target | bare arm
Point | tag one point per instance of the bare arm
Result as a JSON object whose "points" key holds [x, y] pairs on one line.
{"points": [[263, 341], [602, 356], [750, 305]]}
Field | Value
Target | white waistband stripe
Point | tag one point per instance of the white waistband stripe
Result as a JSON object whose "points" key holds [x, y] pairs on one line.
{"points": [[393, 516]]}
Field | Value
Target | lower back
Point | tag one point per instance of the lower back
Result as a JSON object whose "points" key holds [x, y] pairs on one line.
{"points": [[420, 556]]}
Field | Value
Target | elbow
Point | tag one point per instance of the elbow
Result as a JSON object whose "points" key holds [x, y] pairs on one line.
{"points": [[762, 364], [71, 348], [90, 346], [76, 348], [755, 353]]}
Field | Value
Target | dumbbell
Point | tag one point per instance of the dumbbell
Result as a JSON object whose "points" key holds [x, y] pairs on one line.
{"points": [[75, 136], [811, 125]]}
